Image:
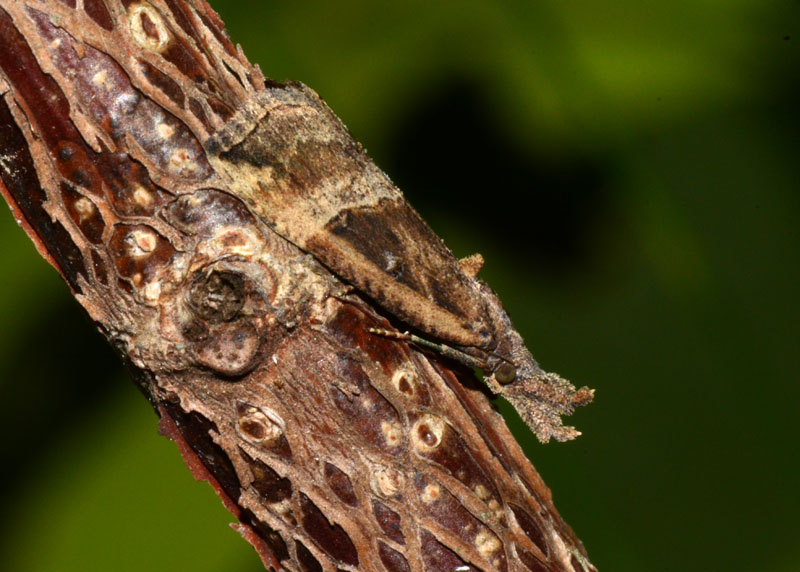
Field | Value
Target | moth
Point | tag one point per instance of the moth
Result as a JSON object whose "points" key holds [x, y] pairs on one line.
{"points": [[305, 337]]}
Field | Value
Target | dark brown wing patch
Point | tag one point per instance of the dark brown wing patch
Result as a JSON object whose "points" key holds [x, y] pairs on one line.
{"points": [[392, 238]]}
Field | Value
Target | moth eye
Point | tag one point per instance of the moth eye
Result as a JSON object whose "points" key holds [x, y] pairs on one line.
{"points": [[217, 296], [505, 373]]}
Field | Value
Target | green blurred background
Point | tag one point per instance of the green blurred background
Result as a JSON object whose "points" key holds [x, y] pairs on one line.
{"points": [[628, 169]]}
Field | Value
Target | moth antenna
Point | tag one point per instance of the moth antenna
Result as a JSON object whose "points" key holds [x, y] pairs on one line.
{"points": [[405, 336], [441, 349]]}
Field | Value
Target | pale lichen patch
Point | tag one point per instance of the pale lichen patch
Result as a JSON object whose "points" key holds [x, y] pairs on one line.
{"points": [[85, 209], [141, 242], [152, 291], [233, 240], [486, 542], [392, 433], [386, 482], [427, 433], [431, 493], [100, 79], [181, 160], [148, 27], [482, 492], [405, 381], [259, 426], [142, 197], [165, 130]]}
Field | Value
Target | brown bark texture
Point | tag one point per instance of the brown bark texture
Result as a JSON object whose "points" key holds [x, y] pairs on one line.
{"points": [[303, 335]]}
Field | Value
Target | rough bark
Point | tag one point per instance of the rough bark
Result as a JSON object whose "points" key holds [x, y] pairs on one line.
{"points": [[257, 273]]}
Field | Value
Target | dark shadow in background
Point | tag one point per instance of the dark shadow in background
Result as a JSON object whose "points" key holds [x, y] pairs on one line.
{"points": [[450, 158], [63, 371]]}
